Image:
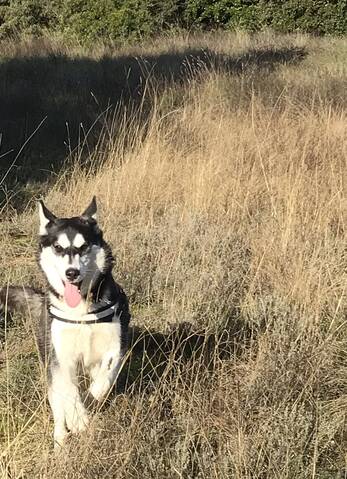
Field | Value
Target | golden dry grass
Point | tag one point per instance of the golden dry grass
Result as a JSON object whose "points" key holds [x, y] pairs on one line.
{"points": [[226, 209]]}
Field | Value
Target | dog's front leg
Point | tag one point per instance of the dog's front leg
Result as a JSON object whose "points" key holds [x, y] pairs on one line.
{"points": [[66, 403], [105, 374], [56, 402]]}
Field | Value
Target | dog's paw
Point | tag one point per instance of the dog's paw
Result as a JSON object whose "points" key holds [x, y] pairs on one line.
{"points": [[77, 419], [60, 436], [99, 389]]}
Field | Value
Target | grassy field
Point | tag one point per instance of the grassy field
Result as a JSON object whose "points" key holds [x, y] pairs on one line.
{"points": [[219, 163]]}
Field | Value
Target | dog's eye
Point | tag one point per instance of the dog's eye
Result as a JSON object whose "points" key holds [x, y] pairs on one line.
{"points": [[58, 248], [84, 248]]}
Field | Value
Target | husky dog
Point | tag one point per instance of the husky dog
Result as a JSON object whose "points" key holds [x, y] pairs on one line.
{"points": [[83, 317]]}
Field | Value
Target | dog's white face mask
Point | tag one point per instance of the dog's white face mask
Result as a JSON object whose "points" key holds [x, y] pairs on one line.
{"points": [[71, 255]]}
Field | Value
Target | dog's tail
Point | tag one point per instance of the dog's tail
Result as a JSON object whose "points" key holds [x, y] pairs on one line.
{"points": [[21, 299]]}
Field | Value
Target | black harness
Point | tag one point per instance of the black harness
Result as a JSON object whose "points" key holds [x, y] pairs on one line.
{"points": [[103, 314]]}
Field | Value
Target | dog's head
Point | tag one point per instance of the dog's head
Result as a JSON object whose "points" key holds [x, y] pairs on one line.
{"points": [[72, 253]]}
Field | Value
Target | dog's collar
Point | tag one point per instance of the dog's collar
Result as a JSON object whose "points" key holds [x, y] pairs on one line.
{"points": [[103, 314]]}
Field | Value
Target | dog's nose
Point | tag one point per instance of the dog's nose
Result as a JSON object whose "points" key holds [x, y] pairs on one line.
{"points": [[72, 274]]}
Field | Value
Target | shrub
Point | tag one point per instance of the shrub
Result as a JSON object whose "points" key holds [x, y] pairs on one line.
{"points": [[90, 20], [27, 16]]}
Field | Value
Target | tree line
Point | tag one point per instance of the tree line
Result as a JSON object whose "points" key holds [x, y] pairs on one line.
{"points": [[113, 20]]}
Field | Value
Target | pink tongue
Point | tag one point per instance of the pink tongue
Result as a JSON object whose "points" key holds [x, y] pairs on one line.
{"points": [[72, 295]]}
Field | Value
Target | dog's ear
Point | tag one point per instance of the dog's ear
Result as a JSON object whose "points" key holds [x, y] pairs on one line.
{"points": [[90, 212], [45, 217]]}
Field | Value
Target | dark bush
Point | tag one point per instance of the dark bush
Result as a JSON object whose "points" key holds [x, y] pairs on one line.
{"points": [[91, 20]]}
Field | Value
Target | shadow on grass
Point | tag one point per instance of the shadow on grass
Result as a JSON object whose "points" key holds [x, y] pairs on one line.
{"points": [[154, 355], [72, 95]]}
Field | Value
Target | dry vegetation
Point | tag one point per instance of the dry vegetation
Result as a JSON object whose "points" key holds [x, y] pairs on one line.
{"points": [[224, 199]]}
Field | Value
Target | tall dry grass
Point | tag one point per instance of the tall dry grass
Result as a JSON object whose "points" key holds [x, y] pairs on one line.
{"points": [[226, 209]]}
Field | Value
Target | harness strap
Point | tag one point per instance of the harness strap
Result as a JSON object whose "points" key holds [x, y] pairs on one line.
{"points": [[103, 315]]}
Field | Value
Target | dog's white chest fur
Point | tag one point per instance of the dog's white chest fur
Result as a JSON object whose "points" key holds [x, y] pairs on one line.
{"points": [[89, 344], [85, 343]]}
